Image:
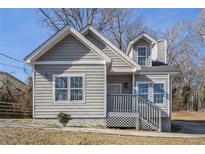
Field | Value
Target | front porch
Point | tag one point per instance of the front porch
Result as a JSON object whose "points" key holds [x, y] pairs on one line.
{"points": [[130, 110], [139, 100]]}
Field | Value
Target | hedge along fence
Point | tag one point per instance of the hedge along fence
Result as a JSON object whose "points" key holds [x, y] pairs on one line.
{"points": [[11, 110]]}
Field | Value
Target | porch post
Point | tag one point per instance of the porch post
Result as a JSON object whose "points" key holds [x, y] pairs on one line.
{"points": [[133, 92], [133, 83]]}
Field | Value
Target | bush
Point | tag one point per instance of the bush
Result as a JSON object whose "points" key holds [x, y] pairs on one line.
{"points": [[63, 118]]}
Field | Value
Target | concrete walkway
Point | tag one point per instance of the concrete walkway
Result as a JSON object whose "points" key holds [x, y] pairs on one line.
{"points": [[14, 123]]}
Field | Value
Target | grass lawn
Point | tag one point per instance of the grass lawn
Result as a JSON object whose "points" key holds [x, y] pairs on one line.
{"points": [[10, 135], [188, 115]]}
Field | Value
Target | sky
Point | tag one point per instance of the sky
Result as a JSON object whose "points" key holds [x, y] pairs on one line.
{"points": [[21, 32]]}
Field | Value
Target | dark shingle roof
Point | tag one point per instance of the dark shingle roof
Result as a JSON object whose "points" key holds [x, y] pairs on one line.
{"points": [[160, 68], [157, 63]]}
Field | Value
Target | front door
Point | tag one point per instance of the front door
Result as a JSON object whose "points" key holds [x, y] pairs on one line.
{"points": [[114, 88]]}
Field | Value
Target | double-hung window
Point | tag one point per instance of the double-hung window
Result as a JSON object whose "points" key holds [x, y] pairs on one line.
{"points": [[69, 88], [158, 92], [142, 54], [76, 88], [61, 88], [143, 90]]}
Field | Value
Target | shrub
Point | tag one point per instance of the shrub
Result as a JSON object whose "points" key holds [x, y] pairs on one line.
{"points": [[63, 118]]}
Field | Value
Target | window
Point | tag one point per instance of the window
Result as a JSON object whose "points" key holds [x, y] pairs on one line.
{"points": [[76, 88], [69, 88], [158, 92], [143, 90], [142, 53], [61, 88]]}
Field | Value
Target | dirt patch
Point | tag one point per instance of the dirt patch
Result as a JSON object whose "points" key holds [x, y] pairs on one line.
{"points": [[188, 115]]}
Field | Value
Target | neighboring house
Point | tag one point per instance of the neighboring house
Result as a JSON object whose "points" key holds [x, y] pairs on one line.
{"points": [[87, 76], [15, 83]]}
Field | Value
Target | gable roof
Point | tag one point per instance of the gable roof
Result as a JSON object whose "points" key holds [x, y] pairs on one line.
{"points": [[57, 37], [111, 46], [141, 35]]}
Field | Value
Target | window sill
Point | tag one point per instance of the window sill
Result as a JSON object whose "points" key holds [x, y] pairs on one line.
{"points": [[160, 104], [69, 102]]}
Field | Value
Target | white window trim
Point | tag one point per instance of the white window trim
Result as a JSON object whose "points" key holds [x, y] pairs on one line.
{"points": [[114, 84], [141, 46], [68, 101], [164, 98], [137, 87]]}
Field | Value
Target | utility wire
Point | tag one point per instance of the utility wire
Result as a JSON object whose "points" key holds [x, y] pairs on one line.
{"points": [[24, 66], [11, 58], [12, 66]]}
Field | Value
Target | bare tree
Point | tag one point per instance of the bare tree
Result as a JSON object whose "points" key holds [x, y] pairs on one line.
{"points": [[185, 40], [76, 17], [123, 26], [119, 25]]}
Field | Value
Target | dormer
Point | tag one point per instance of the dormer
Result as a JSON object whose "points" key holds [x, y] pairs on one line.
{"points": [[145, 50]]}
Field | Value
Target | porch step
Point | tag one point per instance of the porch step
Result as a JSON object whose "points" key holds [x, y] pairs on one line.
{"points": [[145, 125], [122, 120]]}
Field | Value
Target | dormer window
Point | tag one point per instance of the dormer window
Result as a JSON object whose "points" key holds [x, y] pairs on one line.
{"points": [[142, 54]]}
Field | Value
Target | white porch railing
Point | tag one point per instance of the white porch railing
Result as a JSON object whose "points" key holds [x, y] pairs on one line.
{"points": [[148, 112]]}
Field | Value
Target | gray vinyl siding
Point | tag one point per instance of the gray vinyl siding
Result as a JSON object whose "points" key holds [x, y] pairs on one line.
{"points": [[94, 106], [69, 49], [142, 42], [156, 78], [117, 61], [161, 51], [121, 79]]}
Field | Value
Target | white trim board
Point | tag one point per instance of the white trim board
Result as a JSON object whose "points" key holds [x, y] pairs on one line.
{"points": [[113, 70], [68, 62], [33, 91]]}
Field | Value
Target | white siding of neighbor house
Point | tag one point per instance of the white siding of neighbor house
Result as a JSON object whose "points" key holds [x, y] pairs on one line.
{"points": [[117, 61], [158, 79], [94, 106], [69, 49]]}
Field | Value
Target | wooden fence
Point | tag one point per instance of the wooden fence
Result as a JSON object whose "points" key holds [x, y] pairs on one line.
{"points": [[11, 110]]}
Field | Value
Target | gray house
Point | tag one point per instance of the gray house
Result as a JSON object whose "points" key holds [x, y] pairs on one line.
{"points": [[87, 76]]}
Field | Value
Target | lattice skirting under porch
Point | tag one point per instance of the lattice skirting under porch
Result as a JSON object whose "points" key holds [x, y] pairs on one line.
{"points": [[122, 119], [144, 125]]}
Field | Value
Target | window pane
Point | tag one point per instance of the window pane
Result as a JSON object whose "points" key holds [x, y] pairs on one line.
{"points": [[141, 51], [76, 94], [158, 98], [61, 95], [159, 88], [144, 96], [61, 82], [141, 61], [143, 88], [76, 82]]}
